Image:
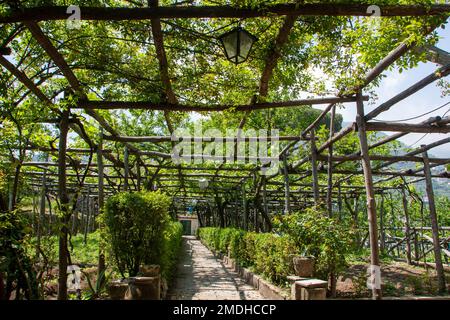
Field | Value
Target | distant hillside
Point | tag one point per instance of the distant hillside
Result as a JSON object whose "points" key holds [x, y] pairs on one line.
{"points": [[441, 186]]}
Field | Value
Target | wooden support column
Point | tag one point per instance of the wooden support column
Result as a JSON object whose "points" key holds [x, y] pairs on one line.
{"points": [[244, 207], [101, 201], [330, 164], [382, 233], [315, 183], [265, 206], [127, 168], [340, 201], [371, 206], [64, 206], [434, 224], [407, 230], [138, 176], [41, 216], [287, 204]]}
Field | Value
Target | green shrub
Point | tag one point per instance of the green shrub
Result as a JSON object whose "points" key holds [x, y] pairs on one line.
{"points": [[268, 254], [317, 235], [172, 244], [14, 261], [135, 226], [273, 256]]}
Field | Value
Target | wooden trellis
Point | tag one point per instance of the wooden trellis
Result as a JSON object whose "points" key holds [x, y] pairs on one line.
{"points": [[265, 196]]}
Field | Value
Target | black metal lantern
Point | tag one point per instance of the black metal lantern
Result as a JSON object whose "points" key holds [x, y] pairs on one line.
{"points": [[237, 44]]}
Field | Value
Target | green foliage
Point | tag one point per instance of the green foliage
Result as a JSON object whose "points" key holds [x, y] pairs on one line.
{"points": [[268, 254], [171, 248], [135, 224], [317, 235], [14, 261]]}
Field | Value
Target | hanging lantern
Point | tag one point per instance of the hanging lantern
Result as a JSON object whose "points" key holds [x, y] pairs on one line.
{"points": [[237, 44]]}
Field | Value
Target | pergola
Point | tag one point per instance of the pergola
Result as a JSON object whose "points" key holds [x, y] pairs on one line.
{"points": [[273, 193]]}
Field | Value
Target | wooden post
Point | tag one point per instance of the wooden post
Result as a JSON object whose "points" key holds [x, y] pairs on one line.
{"points": [[330, 164], [315, 182], [340, 201], [127, 168], [41, 216], [434, 224], [371, 205], [266, 208], [407, 231], [64, 203], [244, 206], [382, 233], [138, 175], [287, 204], [88, 215], [101, 200]]}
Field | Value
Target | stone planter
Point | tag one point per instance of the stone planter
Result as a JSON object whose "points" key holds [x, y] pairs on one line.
{"points": [[143, 288], [117, 289], [303, 266]]}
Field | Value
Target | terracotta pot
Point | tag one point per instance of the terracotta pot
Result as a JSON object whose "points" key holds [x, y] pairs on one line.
{"points": [[117, 289], [303, 266]]}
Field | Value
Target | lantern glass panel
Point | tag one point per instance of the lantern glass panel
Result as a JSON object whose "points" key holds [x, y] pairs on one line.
{"points": [[230, 43], [246, 44]]}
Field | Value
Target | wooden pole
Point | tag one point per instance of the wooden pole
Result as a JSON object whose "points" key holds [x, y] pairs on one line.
{"points": [[371, 205], [101, 200], [407, 231], [41, 216], [245, 207], [266, 208], [127, 168], [287, 205], [434, 224], [330, 164], [64, 203], [315, 182], [382, 233], [138, 176]]}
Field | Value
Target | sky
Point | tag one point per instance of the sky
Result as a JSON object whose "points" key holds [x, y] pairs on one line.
{"points": [[419, 103]]}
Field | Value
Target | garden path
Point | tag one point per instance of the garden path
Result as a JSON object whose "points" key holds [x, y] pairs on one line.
{"points": [[201, 276]]}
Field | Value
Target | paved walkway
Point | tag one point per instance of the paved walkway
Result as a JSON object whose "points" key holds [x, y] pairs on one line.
{"points": [[200, 276]]}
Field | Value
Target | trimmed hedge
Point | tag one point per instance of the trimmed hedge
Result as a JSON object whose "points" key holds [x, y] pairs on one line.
{"points": [[270, 254], [267, 254], [139, 230], [173, 237]]}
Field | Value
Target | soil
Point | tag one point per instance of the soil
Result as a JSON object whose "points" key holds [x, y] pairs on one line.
{"points": [[398, 279]]}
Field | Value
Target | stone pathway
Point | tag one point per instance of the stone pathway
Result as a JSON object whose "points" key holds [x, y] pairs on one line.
{"points": [[200, 276]]}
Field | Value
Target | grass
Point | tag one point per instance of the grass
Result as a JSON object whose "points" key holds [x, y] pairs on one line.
{"points": [[80, 252]]}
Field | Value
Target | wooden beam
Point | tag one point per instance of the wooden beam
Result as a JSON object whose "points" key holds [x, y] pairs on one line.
{"points": [[352, 157], [406, 127], [435, 55], [161, 139], [438, 74], [41, 13], [147, 105]]}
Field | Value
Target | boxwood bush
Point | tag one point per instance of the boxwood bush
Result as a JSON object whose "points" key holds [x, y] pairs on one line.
{"points": [[139, 230], [266, 253], [270, 254]]}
